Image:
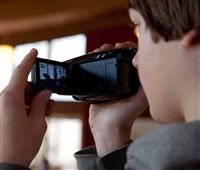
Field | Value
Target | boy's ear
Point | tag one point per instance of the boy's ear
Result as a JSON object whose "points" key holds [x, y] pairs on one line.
{"points": [[191, 38]]}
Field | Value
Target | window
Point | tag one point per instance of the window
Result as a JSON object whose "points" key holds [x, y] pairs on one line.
{"points": [[62, 140]]}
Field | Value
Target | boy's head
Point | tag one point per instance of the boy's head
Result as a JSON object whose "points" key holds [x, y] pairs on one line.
{"points": [[170, 19], [168, 56]]}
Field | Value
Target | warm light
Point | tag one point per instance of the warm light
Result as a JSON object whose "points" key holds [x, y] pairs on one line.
{"points": [[136, 32], [6, 64], [7, 53]]}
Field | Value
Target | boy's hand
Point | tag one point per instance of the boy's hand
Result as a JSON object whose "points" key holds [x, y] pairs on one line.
{"points": [[111, 122], [22, 122]]}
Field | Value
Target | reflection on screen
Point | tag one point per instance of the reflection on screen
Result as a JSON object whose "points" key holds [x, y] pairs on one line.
{"points": [[52, 75]]}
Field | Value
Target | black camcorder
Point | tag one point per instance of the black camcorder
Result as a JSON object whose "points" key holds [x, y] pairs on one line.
{"points": [[93, 78]]}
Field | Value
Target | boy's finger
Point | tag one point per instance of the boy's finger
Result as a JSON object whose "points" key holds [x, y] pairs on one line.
{"points": [[19, 78], [38, 104], [126, 44]]}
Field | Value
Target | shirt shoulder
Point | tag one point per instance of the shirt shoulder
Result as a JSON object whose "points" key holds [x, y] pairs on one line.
{"points": [[8, 166], [176, 145]]}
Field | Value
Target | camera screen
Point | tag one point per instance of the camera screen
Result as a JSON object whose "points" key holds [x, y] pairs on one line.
{"points": [[52, 75]]}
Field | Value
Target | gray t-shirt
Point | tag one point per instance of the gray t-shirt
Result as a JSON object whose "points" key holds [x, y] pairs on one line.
{"points": [[175, 146]]}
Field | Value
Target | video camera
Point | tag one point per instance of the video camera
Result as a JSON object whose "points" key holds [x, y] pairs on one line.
{"points": [[93, 78]]}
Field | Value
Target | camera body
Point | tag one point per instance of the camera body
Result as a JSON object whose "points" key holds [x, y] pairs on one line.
{"points": [[93, 78]]}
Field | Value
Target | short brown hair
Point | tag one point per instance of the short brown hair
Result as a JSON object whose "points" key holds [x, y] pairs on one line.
{"points": [[169, 19]]}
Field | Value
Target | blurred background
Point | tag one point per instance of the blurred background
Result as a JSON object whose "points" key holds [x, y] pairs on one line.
{"points": [[60, 30]]}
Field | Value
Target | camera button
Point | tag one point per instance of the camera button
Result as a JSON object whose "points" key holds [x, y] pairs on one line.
{"points": [[98, 56], [103, 55]]}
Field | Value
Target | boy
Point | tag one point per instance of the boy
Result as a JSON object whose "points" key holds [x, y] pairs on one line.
{"points": [[168, 65]]}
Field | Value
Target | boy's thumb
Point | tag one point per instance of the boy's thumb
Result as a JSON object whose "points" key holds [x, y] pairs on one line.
{"points": [[38, 104]]}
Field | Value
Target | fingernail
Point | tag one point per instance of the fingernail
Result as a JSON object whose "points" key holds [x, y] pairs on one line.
{"points": [[32, 50], [117, 44], [47, 94]]}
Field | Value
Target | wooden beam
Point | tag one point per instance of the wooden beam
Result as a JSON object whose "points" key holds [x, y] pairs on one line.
{"points": [[54, 21]]}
